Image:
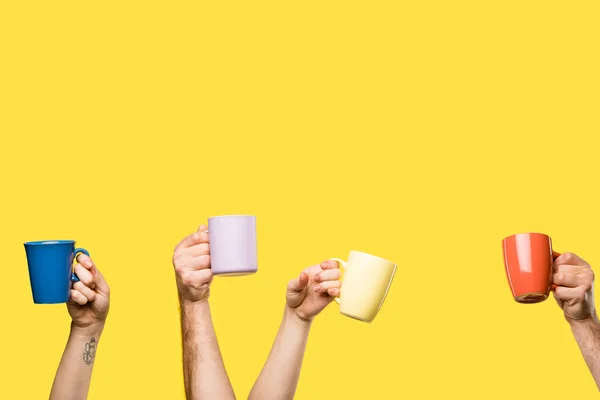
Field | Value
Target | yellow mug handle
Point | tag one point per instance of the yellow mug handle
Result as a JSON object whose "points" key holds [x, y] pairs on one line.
{"points": [[342, 264]]}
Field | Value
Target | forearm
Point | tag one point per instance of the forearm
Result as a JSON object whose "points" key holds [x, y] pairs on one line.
{"points": [[587, 335], [72, 381], [279, 378], [204, 372]]}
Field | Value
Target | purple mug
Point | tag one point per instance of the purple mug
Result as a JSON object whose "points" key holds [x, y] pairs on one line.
{"points": [[233, 245]]}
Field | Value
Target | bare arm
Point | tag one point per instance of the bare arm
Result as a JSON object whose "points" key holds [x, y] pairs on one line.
{"points": [[74, 374], [587, 335], [279, 377], [204, 372], [306, 297], [575, 295], [203, 369], [88, 306]]}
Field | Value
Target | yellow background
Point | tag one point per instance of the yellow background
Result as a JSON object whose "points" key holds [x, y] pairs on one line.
{"points": [[422, 132]]}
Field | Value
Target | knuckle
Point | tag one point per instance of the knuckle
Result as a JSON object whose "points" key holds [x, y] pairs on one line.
{"points": [[176, 257], [179, 269], [568, 257], [559, 276]]}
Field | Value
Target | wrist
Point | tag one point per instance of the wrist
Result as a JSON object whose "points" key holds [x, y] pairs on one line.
{"points": [[191, 307], [94, 330], [291, 315], [186, 301], [589, 321]]}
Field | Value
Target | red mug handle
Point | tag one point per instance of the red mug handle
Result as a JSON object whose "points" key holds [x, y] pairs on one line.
{"points": [[555, 255]]}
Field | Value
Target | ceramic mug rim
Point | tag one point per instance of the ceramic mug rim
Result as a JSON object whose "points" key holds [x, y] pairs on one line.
{"points": [[371, 255], [526, 233], [48, 242], [232, 216]]}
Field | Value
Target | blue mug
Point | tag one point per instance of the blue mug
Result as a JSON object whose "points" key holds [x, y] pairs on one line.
{"points": [[51, 269]]}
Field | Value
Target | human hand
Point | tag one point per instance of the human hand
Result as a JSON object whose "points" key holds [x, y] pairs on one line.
{"points": [[575, 287], [90, 297], [191, 261], [314, 289]]}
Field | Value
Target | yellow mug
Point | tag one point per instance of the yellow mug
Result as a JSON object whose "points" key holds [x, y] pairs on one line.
{"points": [[365, 284]]}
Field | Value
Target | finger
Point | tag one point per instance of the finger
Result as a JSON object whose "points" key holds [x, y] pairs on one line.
{"points": [[333, 292], [569, 275], [100, 282], [203, 228], [78, 298], [569, 259], [84, 276], [570, 295], [201, 249], [85, 260], [89, 294], [192, 240], [324, 286], [198, 263], [328, 275], [329, 264], [298, 284], [197, 279]]}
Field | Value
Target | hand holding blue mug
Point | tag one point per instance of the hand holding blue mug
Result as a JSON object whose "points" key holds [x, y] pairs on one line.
{"points": [[89, 296]]}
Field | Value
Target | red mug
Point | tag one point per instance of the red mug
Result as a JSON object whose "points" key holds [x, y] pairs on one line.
{"points": [[529, 264]]}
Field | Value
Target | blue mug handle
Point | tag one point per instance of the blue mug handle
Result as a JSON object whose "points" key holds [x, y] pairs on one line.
{"points": [[76, 252]]}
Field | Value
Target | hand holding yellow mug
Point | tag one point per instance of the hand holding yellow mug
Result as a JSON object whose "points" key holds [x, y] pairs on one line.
{"points": [[365, 284]]}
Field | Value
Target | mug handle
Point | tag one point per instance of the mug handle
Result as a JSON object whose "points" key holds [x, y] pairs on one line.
{"points": [[555, 255], [341, 264], [76, 252]]}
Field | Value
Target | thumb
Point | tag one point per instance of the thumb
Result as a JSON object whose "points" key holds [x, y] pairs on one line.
{"points": [[299, 284], [202, 228]]}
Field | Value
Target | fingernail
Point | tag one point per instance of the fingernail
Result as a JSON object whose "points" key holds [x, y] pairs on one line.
{"points": [[88, 263], [317, 288]]}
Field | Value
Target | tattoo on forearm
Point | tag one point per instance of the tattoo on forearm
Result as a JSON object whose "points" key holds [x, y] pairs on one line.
{"points": [[89, 355]]}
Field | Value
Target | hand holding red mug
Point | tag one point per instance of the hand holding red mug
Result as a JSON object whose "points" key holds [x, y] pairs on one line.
{"points": [[574, 292], [533, 269]]}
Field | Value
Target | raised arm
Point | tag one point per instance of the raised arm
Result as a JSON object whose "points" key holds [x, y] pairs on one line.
{"points": [[575, 295], [306, 297], [88, 308], [203, 369]]}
